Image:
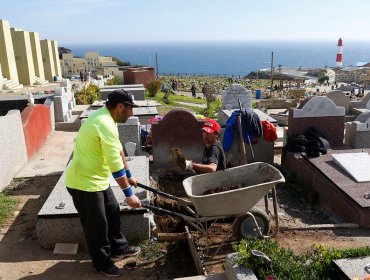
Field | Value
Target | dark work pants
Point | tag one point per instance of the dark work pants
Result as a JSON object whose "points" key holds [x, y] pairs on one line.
{"points": [[100, 219]]}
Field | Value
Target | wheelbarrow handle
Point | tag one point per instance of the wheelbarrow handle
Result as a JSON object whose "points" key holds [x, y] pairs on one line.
{"points": [[184, 202], [161, 210]]}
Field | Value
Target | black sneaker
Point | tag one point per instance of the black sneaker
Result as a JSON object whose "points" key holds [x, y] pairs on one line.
{"points": [[129, 252], [112, 271]]}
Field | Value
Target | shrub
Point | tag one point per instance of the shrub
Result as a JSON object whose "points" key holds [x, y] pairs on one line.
{"points": [[87, 95], [113, 81], [315, 264], [153, 87]]}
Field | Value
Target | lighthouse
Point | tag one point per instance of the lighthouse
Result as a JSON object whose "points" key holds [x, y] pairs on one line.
{"points": [[340, 53]]}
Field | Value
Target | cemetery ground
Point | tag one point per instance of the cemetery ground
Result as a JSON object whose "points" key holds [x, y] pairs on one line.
{"points": [[21, 256]]}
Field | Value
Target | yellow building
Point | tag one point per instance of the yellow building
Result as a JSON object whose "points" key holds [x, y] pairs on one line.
{"points": [[26, 59], [366, 79], [91, 64]]}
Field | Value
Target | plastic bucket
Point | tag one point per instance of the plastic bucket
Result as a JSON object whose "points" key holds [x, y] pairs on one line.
{"points": [[258, 94]]}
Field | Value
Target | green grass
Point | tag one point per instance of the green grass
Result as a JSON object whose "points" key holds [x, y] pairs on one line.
{"points": [[173, 103], [7, 206]]}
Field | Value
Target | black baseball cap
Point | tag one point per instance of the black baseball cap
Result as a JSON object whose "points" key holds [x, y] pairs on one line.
{"points": [[120, 96]]}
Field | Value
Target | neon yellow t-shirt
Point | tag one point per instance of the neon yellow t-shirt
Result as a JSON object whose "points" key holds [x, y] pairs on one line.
{"points": [[96, 154]]}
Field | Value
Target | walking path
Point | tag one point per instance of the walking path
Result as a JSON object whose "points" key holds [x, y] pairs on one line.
{"points": [[52, 158], [191, 104]]}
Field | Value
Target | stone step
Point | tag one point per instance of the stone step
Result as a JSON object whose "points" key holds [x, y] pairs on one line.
{"points": [[79, 109], [218, 276], [11, 85], [73, 124]]}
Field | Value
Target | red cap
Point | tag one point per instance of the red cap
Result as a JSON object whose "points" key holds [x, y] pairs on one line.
{"points": [[211, 126]]}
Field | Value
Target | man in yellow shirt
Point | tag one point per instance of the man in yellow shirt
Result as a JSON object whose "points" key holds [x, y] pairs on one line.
{"points": [[97, 154]]}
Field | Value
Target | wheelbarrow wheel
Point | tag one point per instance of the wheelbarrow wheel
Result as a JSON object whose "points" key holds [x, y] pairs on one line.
{"points": [[245, 227]]}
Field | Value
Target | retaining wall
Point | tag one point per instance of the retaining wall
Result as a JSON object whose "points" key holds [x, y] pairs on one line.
{"points": [[36, 127], [13, 153]]}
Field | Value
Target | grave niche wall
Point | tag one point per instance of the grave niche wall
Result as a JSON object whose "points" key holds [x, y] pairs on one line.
{"points": [[179, 128], [13, 152], [36, 126], [319, 112]]}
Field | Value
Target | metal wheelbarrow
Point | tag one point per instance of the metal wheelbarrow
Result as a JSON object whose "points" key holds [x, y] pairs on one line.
{"points": [[255, 179]]}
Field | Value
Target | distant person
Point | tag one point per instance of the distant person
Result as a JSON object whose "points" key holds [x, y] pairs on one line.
{"points": [[81, 76], [204, 89], [97, 154], [193, 90]]}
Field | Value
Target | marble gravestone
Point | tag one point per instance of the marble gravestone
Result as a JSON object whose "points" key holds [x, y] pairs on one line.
{"points": [[321, 113], [355, 164], [178, 128], [234, 93]]}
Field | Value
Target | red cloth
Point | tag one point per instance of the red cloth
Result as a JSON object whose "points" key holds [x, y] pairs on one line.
{"points": [[269, 131]]}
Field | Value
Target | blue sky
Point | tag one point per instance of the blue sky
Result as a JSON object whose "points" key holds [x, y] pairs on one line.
{"points": [[120, 21]]}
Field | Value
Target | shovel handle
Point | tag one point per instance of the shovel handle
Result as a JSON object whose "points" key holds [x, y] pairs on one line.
{"points": [[158, 192]]}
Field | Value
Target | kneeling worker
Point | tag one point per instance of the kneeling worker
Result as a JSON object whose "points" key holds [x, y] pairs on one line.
{"points": [[213, 155]]}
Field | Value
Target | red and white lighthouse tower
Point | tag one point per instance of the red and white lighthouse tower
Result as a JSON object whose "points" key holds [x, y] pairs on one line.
{"points": [[340, 53]]}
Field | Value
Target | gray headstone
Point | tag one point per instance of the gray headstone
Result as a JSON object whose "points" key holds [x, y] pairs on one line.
{"points": [[318, 106], [340, 99], [130, 132], [233, 93]]}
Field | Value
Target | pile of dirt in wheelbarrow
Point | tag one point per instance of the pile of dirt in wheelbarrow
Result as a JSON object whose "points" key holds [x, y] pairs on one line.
{"points": [[171, 183]]}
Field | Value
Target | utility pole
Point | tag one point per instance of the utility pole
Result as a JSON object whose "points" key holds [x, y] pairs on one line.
{"points": [[156, 63], [272, 72]]}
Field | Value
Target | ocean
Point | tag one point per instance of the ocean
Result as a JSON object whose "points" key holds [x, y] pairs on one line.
{"points": [[229, 58]]}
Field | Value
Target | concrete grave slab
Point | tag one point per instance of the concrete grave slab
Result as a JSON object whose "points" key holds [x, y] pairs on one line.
{"points": [[137, 92], [58, 218], [363, 117], [339, 194], [143, 113], [362, 104], [150, 103], [224, 115], [355, 164]]}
